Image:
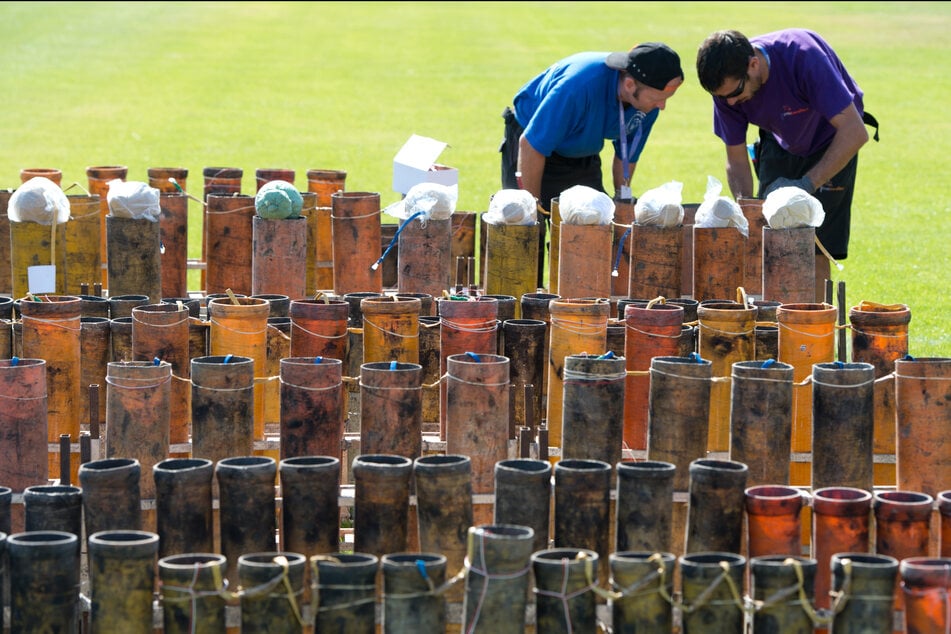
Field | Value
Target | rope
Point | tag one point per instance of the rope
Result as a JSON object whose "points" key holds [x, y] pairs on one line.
{"points": [[461, 327], [24, 398], [395, 387], [171, 325], [110, 380], [486, 576], [680, 376], [75, 184], [262, 331], [230, 211], [219, 389], [369, 215], [191, 596], [634, 589], [220, 590], [84, 216], [761, 379], [573, 375], [273, 328], [779, 597], [434, 590], [654, 334], [807, 334], [922, 378], [265, 588], [391, 332], [564, 595], [704, 597], [55, 322], [316, 586], [53, 226], [295, 324], [738, 333], [828, 255], [310, 388], [638, 373], [580, 327], [903, 335], [449, 376], [856, 385]]}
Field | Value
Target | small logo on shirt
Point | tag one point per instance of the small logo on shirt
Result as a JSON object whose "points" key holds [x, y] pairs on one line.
{"points": [[635, 121], [789, 112]]}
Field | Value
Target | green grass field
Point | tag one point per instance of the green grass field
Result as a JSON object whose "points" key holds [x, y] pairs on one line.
{"points": [[341, 86]]}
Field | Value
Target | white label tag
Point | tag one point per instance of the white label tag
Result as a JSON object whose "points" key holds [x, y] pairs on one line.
{"points": [[41, 278], [626, 193]]}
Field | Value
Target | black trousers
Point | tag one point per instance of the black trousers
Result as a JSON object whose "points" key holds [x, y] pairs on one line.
{"points": [[561, 172]]}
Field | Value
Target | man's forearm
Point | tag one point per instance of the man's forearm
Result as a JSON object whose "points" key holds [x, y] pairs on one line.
{"points": [[849, 137], [531, 165], [739, 175]]}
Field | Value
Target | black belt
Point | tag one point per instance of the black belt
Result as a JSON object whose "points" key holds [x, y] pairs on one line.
{"points": [[868, 119]]}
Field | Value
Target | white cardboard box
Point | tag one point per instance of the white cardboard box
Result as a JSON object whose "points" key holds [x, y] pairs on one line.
{"points": [[416, 163]]}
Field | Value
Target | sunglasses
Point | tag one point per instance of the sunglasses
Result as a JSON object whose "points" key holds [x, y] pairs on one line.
{"points": [[739, 89]]}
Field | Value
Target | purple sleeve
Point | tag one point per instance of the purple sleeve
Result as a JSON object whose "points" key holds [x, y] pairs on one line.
{"points": [[729, 123]]}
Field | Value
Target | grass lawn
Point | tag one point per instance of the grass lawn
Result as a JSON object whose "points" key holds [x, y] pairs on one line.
{"points": [[327, 85]]}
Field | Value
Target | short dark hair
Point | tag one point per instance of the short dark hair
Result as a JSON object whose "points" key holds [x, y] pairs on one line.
{"points": [[723, 54]]}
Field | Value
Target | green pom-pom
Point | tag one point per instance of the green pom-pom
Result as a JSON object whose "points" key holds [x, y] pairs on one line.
{"points": [[278, 199], [297, 201], [272, 203]]}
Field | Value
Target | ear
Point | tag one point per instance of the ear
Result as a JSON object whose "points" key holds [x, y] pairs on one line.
{"points": [[627, 85], [753, 67]]}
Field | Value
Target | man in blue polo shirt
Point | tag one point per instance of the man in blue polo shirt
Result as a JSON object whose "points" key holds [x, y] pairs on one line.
{"points": [[811, 120], [556, 129]]}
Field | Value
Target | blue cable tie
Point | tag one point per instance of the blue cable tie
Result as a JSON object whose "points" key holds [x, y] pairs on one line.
{"points": [[393, 240], [474, 357], [156, 361], [607, 355], [318, 360], [695, 357], [768, 363], [839, 365], [14, 361], [620, 247], [421, 567], [393, 364], [227, 358], [908, 357]]}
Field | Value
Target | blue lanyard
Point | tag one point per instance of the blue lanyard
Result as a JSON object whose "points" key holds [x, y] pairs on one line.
{"points": [[625, 156], [625, 161]]}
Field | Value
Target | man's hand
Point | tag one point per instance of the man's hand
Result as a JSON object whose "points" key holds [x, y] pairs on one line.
{"points": [[802, 183]]}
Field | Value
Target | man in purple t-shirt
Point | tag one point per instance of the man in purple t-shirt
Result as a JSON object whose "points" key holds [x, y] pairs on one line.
{"points": [[811, 120]]}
